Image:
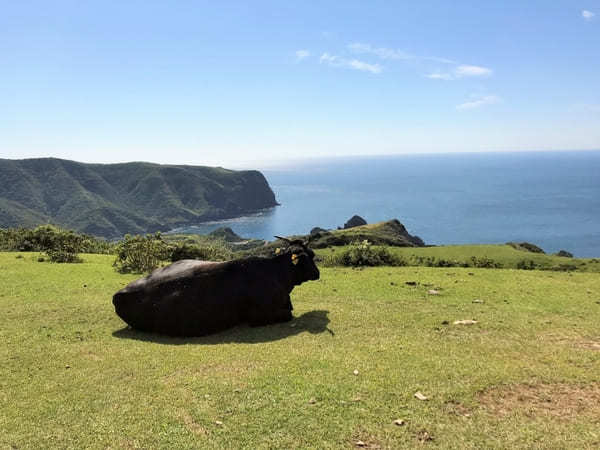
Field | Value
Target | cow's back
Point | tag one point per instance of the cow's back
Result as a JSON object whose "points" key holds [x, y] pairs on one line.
{"points": [[188, 297]]}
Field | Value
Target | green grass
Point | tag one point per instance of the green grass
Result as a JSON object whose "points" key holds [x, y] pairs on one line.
{"points": [[73, 377], [506, 255]]}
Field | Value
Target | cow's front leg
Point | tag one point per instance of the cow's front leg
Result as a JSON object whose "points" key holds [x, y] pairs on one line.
{"points": [[265, 313]]}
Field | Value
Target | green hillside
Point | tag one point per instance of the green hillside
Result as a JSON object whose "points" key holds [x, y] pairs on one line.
{"points": [[482, 256], [113, 199]]}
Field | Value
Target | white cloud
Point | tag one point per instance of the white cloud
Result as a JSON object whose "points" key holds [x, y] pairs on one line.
{"points": [[454, 72], [302, 54], [480, 101], [587, 15], [381, 52], [336, 61], [389, 53], [440, 76], [360, 65], [472, 71], [460, 72], [327, 58]]}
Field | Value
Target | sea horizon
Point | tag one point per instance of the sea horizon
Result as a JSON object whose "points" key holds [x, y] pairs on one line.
{"points": [[551, 199]]}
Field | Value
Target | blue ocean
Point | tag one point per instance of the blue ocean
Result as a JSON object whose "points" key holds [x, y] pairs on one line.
{"points": [[551, 199]]}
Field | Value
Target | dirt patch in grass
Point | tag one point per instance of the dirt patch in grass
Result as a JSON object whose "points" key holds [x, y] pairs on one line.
{"points": [[589, 344], [128, 444], [575, 341], [191, 424], [92, 356], [424, 436], [457, 409], [363, 439], [560, 401]]}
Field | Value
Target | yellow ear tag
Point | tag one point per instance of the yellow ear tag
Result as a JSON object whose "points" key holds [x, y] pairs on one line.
{"points": [[277, 251], [294, 259]]}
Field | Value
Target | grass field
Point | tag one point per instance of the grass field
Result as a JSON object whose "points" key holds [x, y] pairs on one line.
{"points": [[526, 375]]}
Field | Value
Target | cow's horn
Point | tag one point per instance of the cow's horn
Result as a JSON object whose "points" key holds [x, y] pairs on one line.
{"points": [[284, 239]]}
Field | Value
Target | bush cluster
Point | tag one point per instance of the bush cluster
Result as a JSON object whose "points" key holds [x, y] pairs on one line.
{"points": [[363, 253], [430, 261], [564, 268], [140, 254], [527, 264], [64, 254], [485, 263], [58, 245], [211, 251], [50, 237]]}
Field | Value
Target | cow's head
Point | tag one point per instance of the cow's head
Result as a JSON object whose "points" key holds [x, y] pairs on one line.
{"points": [[301, 260]]}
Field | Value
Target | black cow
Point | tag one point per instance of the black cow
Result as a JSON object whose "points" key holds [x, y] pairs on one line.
{"points": [[195, 298]]}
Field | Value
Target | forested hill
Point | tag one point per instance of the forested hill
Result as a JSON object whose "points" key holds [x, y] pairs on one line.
{"points": [[113, 199]]}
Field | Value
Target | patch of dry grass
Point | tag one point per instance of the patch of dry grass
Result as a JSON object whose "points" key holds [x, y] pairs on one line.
{"points": [[560, 401]]}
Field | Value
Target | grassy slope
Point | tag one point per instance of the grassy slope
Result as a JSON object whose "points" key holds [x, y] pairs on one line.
{"points": [[126, 390], [504, 254]]}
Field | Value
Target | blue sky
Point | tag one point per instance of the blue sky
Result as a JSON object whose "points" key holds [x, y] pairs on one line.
{"points": [[233, 83]]}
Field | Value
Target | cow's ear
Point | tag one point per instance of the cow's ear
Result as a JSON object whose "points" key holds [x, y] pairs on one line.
{"points": [[278, 250]]}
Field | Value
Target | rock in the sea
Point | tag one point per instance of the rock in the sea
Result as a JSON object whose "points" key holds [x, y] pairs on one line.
{"points": [[226, 233], [317, 230], [355, 221], [417, 241], [526, 247]]}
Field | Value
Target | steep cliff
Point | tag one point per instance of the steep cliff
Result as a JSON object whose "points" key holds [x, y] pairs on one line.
{"points": [[110, 200]]}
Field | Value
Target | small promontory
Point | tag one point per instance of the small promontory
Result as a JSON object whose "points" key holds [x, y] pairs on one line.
{"points": [[390, 232], [110, 200]]}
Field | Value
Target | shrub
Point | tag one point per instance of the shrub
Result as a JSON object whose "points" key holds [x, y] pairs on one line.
{"points": [[445, 263], [65, 254], [485, 263], [139, 254], [60, 246], [211, 251], [430, 261], [363, 254], [564, 268], [526, 264], [49, 237]]}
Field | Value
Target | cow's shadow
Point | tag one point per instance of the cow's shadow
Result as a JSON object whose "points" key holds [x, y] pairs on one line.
{"points": [[314, 322]]}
